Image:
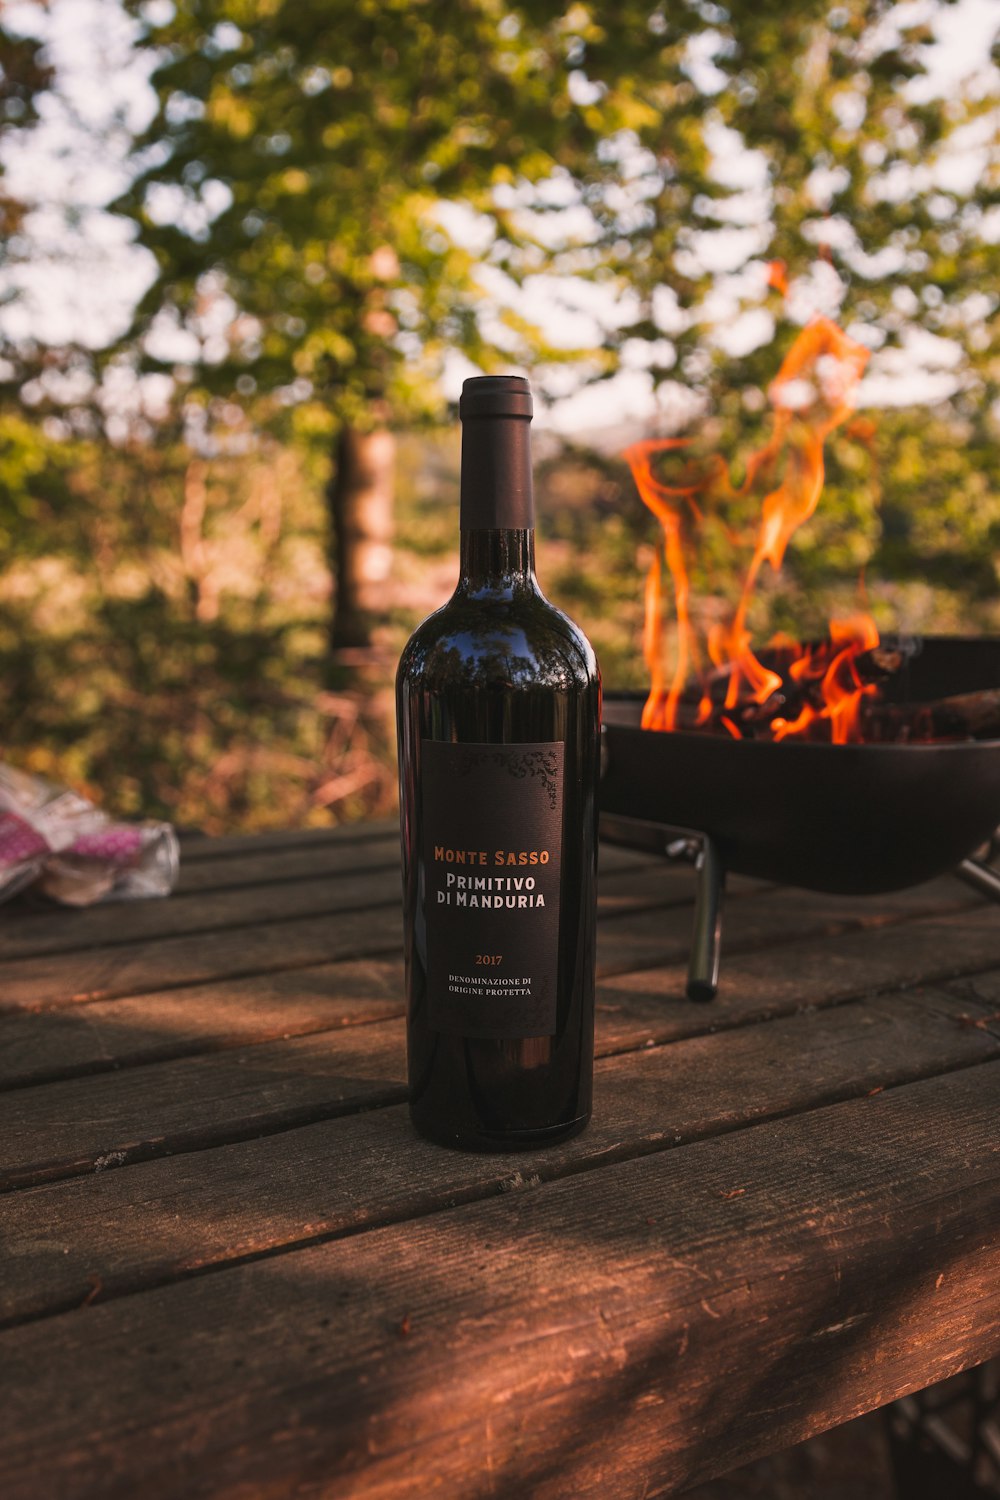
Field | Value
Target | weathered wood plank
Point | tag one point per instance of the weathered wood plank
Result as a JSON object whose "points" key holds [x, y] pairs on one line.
{"points": [[562, 1341], [981, 988], [92, 1124], [253, 868], [73, 1040], [255, 865], [196, 847], [119, 1231], [129, 969], [626, 940], [766, 917], [266, 867], [809, 971], [812, 970], [628, 887], [114, 925]]}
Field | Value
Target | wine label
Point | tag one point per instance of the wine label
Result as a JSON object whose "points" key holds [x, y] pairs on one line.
{"points": [[492, 837]]}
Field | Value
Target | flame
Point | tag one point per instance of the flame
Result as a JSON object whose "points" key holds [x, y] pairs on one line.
{"points": [[812, 395]]}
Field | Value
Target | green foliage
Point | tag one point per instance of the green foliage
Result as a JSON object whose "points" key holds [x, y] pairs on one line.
{"points": [[30, 468], [162, 607], [187, 681], [24, 76], [301, 154], [34, 483], [867, 188], [163, 653]]}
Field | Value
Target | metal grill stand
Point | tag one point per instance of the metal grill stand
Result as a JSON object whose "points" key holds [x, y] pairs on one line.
{"points": [[945, 1441], [689, 846]]}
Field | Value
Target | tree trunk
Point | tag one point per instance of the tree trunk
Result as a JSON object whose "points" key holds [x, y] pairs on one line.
{"points": [[360, 498]]}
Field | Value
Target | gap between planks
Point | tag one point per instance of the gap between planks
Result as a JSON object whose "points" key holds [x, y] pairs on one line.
{"points": [[42, 934], [38, 920], [333, 1179], [63, 1130], [575, 1333], [74, 1041], [171, 962], [200, 848]]}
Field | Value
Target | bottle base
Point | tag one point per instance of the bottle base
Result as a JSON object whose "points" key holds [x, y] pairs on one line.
{"points": [[496, 1143]]}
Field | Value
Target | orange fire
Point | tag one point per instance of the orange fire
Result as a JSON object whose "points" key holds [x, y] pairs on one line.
{"points": [[812, 395]]}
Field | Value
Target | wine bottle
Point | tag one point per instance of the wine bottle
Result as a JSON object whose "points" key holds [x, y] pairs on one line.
{"points": [[498, 700]]}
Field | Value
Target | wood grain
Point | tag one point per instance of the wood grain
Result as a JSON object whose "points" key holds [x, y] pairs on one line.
{"points": [[106, 1121], [115, 925], [246, 867], [768, 918], [786, 1211], [105, 1035], [566, 1340], [129, 969], [822, 970], [40, 926], [42, 955], [118, 1230], [72, 1041], [196, 848]]}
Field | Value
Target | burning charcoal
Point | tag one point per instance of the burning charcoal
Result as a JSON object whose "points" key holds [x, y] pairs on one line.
{"points": [[812, 681], [966, 716], [885, 661]]}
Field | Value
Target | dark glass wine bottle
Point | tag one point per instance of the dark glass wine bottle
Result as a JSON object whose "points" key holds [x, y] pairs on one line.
{"points": [[498, 700]]}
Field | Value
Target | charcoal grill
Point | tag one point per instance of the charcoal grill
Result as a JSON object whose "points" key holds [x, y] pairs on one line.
{"points": [[849, 819]]}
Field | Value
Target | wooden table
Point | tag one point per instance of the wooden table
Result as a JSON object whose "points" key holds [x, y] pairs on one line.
{"points": [[229, 1268]]}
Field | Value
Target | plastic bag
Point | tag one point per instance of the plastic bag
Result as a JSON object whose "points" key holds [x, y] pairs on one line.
{"points": [[59, 842]]}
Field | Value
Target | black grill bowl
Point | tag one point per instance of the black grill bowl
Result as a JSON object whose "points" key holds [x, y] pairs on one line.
{"points": [[851, 819]]}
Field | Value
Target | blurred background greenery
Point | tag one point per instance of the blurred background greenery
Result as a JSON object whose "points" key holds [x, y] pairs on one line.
{"points": [[223, 509]]}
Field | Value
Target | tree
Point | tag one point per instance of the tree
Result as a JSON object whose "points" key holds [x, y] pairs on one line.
{"points": [[27, 461], [296, 166], [24, 76], [819, 140], [316, 172]]}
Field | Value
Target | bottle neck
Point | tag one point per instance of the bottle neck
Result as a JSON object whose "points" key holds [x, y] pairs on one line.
{"points": [[500, 559], [496, 473], [498, 511]]}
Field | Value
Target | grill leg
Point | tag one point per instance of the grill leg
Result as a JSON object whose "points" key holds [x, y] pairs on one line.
{"points": [[945, 1441], [980, 876], [706, 944]]}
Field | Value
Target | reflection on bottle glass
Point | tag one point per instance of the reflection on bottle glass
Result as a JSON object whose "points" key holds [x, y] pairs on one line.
{"points": [[498, 710]]}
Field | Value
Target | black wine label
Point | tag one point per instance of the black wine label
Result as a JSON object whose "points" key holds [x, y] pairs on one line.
{"points": [[492, 836]]}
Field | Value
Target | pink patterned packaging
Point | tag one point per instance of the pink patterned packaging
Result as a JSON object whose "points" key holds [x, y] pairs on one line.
{"points": [[74, 853]]}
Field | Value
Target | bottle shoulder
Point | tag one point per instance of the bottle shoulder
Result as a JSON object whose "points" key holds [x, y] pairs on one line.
{"points": [[522, 638]]}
